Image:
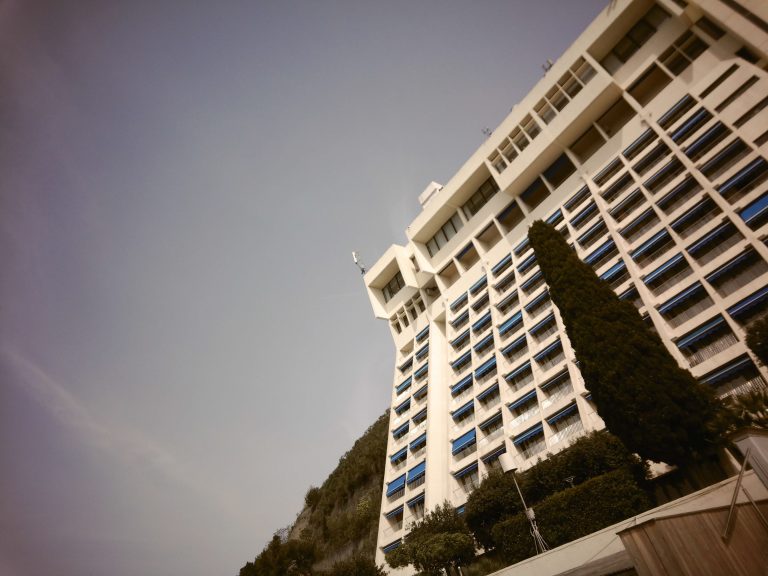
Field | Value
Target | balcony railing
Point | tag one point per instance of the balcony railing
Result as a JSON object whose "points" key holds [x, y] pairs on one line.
{"points": [[706, 352], [417, 430], [556, 396], [569, 431], [755, 384], [524, 417], [463, 424], [533, 449], [484, 441]]}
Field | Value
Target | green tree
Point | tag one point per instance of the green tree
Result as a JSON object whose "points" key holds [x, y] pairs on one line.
{"points": [[757, 339], [495, 499], [356, 566], [748, 409], [655, 407], [440, 541]]}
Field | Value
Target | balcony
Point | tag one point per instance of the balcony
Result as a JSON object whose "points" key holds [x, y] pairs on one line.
{"points": [[568, 431]]}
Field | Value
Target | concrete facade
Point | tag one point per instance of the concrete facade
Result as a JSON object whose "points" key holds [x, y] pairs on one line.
{"points": [[645, 144]]}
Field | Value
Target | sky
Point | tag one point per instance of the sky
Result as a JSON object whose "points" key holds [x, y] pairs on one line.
{"points": [[185, 343]]}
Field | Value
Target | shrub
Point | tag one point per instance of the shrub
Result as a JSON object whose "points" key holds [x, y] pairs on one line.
{"points": [[573, 513]]}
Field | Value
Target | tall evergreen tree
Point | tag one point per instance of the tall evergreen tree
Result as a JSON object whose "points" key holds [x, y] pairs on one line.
{"points": [[757, 339], [656, 408]]}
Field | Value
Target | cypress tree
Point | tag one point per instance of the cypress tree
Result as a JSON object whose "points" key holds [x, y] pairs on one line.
{"points": [[656, 408]]}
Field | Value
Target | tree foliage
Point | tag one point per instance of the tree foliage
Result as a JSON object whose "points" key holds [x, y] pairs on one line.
{"points": [[573, 513], [655, 407], [748, 409], [757, 339], [342, 514], [588, 457], [355, 566], [440, 541]]}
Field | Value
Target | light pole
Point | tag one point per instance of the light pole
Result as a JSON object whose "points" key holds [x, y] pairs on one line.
{"points": [[508, 466]]}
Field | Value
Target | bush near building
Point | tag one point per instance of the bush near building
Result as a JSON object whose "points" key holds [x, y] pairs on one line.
{"points": [[589, 456], [573, 513]]}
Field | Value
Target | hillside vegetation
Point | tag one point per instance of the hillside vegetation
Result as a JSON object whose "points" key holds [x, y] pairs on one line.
{"points": [[336, 530]]}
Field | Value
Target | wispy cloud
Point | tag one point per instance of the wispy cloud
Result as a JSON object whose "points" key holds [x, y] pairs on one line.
{"points": [[129, 446]]}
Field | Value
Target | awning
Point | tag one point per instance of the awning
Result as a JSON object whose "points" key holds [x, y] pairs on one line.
{"points": [[731, 265], [556, 379], [478, 285], [399, 455], [745, 176], [626, 202], [460, 318], [502, 264], [531, 281], [613, 271], [539, 325], [460, 301], [421, 371], [391, 546], [465, 471], [468, 407], [513, 321], [536, 301], [395, 485], [482, 322], [527, 263], [421, 335], [417, 471], [709, 238], [490, 421], [400, 408], [652, 242], [421, 392], [487, 392], [576, 198], [404, 384], [684, 103], [419, 442], [706, 140], [701, 332], [419, 416], [727, 371], [522, 246], [516, 345], [596, 227], [639, 142], [693, 214], [396, 512], [495, 453], [551, 348], [555, 217], [486, 367], [484, 342], [415, 500], [669, 264], [400, 430], [458, 340], [600, 252], [676, 301], [699, 117], [463, 441], [755, 210], [581, 216], [567, 411], [405, 365], [526, 366], [748, 302], [463, 359], [528, 434], [523, 400], [507, 300], [421, 352], [462, 384]]}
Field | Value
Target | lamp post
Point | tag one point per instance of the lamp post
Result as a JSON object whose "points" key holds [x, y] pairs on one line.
{"points": [[538, 540]]}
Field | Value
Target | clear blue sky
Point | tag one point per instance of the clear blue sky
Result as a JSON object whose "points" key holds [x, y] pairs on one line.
{"points": [[185, 343]]}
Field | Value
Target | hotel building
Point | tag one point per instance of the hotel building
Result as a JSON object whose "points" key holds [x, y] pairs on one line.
{"points": [[645, 145]]}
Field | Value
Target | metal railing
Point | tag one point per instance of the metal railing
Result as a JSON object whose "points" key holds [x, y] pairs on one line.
{"points": [[485, 440], [556, 395], [417, 430], [567, 432], [533, 449], [707, 351], [736, 388], [524, 417]]}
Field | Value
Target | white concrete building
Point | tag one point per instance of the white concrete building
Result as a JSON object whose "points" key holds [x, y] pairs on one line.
{"points": [[645, 144]]}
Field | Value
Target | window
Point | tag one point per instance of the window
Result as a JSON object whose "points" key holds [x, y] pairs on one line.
{"points": [[587, 144], [616, 117], [682, 52], [637, 36], [534, 194], [653, 81], [510, 217], [393, 286], [480, 198], [559, 171], [446, 232]]}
